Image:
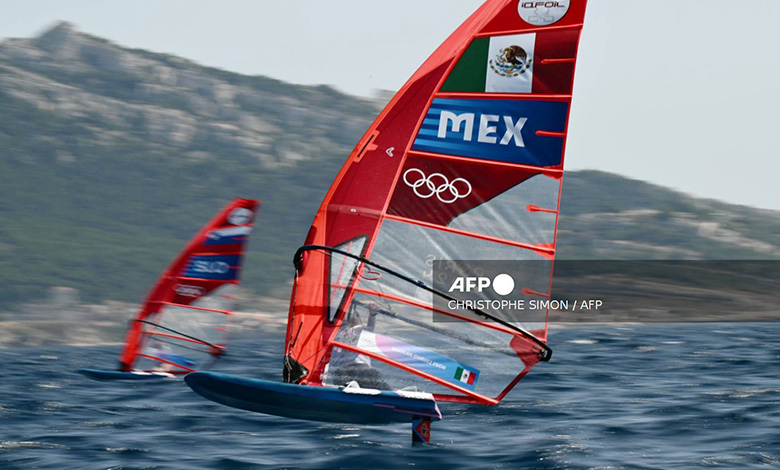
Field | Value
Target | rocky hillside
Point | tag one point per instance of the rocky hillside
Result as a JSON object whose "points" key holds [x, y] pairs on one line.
{"points": [[606, 216], [132, 95], [110, 158]]}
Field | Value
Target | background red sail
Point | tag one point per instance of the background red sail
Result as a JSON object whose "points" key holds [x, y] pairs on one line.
{"points": [[186, 312]]}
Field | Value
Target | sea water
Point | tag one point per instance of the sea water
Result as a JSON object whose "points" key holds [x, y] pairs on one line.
{"points": [[631, 397]]}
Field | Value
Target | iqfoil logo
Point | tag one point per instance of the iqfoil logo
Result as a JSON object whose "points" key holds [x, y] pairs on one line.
{"points": [[503, 284], [240, 216], [543, 13]]}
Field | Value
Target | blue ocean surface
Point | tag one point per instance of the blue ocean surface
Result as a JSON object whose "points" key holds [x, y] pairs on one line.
{"points": [[639, 397]]}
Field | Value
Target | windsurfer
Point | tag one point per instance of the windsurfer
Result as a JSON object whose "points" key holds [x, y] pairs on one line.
{"points": [[159, 350], [167, 358], [348, 366]]}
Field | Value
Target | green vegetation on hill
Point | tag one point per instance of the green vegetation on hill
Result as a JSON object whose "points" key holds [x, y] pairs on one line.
{"points": [[108, 222]]}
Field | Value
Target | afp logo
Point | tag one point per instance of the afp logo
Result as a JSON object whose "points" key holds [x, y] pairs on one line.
{"points": [[503, 284], [543, 13]]}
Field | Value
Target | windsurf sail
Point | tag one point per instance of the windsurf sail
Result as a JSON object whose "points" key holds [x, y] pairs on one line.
{"points": [[465, 163], [183, 324]]}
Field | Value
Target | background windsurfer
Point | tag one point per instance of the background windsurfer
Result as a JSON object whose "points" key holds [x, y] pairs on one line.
{"points": [[347, 366]]}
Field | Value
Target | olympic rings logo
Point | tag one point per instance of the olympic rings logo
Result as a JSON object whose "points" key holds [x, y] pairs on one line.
{"points": [[437, 185]]}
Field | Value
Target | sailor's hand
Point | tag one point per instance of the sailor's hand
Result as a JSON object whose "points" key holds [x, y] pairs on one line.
{"points": [[373, 309]]}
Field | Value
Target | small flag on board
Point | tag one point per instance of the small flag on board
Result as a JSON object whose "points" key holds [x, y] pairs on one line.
{"points": [[466, 376]]}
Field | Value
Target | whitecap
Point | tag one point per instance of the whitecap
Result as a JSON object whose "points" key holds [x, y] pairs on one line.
{"points": [[15, 445]]}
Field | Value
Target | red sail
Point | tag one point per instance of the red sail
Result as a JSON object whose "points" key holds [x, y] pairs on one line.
{"points": [[465, 163], [182, 325]]}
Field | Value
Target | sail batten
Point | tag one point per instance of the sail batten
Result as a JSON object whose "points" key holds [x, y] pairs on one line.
{"points": [[180, 338], [204, 309], [502, 96], [552, 172], [229, 281]]}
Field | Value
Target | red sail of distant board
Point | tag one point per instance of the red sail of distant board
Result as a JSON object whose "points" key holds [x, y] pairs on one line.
{"points": [[182, 325], [465, 163]]}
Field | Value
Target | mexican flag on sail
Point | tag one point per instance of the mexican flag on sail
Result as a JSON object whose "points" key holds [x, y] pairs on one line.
{"points": [[501, 64]]}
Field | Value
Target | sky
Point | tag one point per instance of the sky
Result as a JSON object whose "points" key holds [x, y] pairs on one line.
{"points": [[681, 93]]}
